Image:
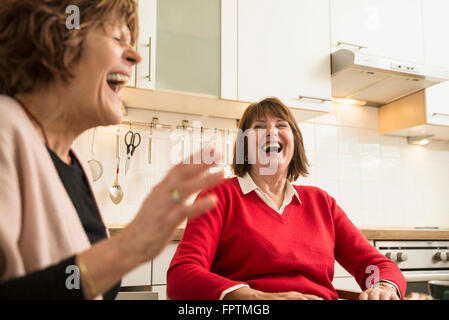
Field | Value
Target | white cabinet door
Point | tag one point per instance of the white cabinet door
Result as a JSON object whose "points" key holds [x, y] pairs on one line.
{"points": [[437, 104], [284, 51], [436, 26], [346, 283], [188, 46], [161, 264], [161, 291], [140, 276], [229, 51], [389, 28], [146, 45]]}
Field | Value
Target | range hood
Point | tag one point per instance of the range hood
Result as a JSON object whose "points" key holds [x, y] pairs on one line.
{"points": [[379, 80]]}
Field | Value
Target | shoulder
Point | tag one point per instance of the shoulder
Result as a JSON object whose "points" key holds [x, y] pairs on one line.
{"points": [[13, 120], [316, 194], [228, 187], [10, 109], [19, 140], [310, 191]]}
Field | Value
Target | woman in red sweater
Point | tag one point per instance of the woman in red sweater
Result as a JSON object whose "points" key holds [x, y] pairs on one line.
{"points": [[269, 239]]}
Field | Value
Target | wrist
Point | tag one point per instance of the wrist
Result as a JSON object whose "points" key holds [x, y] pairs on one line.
{"points": [[130, 245], [387, 285], [244, 293]]}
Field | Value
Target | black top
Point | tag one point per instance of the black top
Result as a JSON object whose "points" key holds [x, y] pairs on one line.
{"points": [[50, 283]]}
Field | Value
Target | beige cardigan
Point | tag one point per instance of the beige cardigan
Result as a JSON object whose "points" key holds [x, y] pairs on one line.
{"points": [[39, 225]]}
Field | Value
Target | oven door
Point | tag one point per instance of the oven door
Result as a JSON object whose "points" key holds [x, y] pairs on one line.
{"points": [[417, 280]]}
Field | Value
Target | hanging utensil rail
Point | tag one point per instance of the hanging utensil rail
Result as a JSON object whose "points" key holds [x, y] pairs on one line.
{"points": [[153, 124]]}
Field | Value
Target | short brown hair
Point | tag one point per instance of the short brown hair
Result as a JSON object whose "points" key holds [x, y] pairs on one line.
{"points": [[274, 107], [36, 46]]}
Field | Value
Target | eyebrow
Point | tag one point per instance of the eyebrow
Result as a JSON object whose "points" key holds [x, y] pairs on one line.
{"points": [[279, 120]]}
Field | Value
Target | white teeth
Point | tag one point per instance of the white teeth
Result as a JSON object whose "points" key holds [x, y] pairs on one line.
{"points": [[118, 77], [269, 146]]}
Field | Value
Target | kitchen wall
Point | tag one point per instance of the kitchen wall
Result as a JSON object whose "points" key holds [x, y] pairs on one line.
{"points": [[378, 180]]}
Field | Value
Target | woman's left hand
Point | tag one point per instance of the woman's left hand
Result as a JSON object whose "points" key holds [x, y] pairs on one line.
{"points": [[379, 293]]}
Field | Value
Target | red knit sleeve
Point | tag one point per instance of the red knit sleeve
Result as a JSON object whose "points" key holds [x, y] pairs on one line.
{"points": [[358, 256], [189, 276]]}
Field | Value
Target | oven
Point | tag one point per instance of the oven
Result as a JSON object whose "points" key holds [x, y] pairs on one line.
{"points": [[420, 261]]}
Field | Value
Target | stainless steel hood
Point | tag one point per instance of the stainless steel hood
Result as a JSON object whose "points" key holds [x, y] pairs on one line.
{"points": [[379, 80]]}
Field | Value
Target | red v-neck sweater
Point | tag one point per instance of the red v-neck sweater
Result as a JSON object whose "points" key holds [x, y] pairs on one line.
{"points": [[243, 240]]}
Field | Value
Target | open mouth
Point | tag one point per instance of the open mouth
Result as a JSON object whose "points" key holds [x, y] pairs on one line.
{"points": [[270, 148], [116, 81]]}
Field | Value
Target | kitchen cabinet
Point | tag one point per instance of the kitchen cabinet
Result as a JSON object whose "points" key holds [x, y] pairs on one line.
{"points": [[161, 291], [425, 113], [435, 26], [284, 51], [343, 280], [145, 74], [161, 264], [179, 42], [392, 29], [437, 104], [152, 273], [140, 276]]}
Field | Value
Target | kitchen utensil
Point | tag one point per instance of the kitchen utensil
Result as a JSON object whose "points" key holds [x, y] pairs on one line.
{"points": [[185, 144], [132, 141], [439, 289], [227, 155], [116, 191], [150, 140], [96, 168]]}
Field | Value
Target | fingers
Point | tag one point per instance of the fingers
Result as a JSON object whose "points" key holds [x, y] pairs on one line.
{"points": [[394, 297], [200, 206], [195, 165], [312, 297], [377, 294], [206, 181], [293, 295], [373, 295], [369, 295]]}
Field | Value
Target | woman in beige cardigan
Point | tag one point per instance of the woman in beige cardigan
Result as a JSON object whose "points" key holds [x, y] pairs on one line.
{"points": [[58, 79]]}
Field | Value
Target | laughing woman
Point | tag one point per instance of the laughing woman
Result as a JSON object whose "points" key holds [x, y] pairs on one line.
{"points": [[55, 83], [269, 239]]}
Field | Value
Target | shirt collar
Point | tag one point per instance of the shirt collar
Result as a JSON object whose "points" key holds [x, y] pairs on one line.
{"points": [[247, 185]]}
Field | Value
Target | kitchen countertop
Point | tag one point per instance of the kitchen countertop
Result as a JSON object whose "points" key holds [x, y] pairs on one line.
{"points": [[115, 227], [371, 233], [405, 233]]}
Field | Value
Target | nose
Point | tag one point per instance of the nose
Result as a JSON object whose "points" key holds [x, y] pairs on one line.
{"points": [[132, 56], [272, 129]]}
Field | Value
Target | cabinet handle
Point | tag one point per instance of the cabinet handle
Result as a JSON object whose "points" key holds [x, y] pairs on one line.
{"points": [[351, 45], [440, 114], [149, 59], [314, 98]]}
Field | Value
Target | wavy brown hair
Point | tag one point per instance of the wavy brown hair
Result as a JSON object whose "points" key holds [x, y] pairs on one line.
{"points": [[274, 107], [36, 46]]}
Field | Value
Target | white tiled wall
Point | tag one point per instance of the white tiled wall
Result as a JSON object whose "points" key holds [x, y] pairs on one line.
{"points": [[378, 180]]}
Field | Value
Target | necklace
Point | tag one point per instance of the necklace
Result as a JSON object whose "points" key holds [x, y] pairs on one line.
{"points": [[31, 115]]}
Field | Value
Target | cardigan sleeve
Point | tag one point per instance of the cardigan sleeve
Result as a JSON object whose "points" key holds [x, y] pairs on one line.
{"points": [[45, 284], [10, 206], [354, 253], [189, 276]]}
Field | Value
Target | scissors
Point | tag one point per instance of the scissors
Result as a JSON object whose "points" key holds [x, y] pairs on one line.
{"points": [[131, 145]]}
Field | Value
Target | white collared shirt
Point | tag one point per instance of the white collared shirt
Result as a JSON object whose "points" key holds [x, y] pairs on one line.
{"points": [[247, 185]]}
